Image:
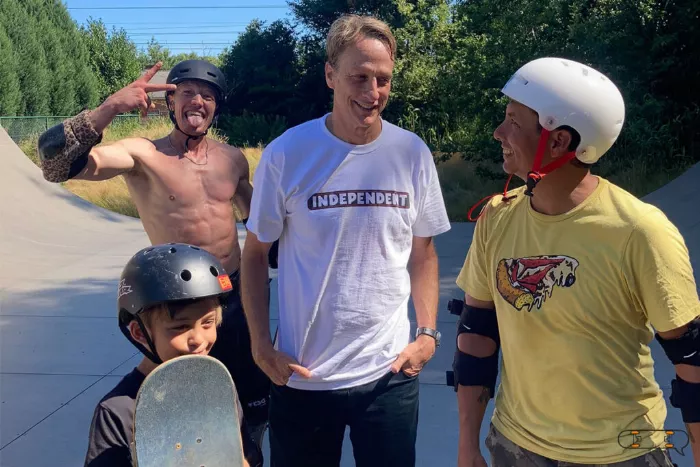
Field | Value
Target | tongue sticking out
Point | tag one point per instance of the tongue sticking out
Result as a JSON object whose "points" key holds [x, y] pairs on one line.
{"points": [[195, 120]]}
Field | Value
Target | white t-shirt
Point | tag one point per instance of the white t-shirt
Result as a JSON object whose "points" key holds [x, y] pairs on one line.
{"points": [[345, 216]]}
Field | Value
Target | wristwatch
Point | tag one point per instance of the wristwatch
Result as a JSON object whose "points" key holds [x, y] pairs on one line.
{"points": [[434, 333]]}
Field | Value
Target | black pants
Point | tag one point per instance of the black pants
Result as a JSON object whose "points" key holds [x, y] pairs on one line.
{"points": [[233, 349], [307, 427]]}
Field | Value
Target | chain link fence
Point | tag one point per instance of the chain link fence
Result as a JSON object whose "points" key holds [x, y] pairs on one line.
{"points": [[21, 128]]}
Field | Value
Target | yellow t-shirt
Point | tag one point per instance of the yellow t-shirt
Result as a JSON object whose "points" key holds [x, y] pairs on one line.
{"points": [[575, 296]]}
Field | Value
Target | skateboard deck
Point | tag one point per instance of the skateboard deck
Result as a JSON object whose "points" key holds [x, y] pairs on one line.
{"points": [[187, 416]]}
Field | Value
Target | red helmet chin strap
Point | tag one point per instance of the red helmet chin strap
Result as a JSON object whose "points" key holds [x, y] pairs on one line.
{"points": [[533, 177], [537, 172], [505, 198]]}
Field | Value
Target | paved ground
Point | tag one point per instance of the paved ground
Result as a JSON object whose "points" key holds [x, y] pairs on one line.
{"points": [[60, 348]]}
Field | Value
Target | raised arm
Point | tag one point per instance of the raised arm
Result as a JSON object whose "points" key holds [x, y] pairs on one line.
{"points": [[66, 150]]}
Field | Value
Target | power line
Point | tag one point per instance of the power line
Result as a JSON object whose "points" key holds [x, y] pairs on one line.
{"points": [[168, 28], [213, 7], [184, 43], [183, 33], [204, 23]]}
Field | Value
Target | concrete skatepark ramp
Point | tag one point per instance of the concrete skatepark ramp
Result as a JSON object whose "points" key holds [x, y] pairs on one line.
{"points": [[61, 350]]}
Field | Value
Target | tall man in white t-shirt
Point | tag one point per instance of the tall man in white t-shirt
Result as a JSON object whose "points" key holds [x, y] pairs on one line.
{"points": [[354, 202]]}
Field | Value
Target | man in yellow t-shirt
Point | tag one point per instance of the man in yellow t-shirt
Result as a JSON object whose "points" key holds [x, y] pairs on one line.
{"points": [[572, 278]]}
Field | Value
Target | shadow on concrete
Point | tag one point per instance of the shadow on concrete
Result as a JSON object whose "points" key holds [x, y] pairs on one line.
{"points": [[84, 298], [67, 330], [76, 201]]}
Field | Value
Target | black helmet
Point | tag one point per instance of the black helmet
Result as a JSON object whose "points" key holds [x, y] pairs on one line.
{"points": [[163, 274], [199, 70]]}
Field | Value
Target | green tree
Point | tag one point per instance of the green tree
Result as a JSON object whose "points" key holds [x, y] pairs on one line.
{"points": [[155, 52], [318, 15], [82, 79], [261, 71], [112, 56], [32, 71], [62, 92], [10, 90]]}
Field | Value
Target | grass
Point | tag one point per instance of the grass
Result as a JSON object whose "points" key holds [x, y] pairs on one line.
{"points": [[463, 183], [114, 194]]}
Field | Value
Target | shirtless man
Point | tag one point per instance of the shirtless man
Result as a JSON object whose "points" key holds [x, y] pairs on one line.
{"points": [[184, 186]]}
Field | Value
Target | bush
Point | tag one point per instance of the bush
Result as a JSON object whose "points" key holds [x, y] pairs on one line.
{"points": [[252, 129]]}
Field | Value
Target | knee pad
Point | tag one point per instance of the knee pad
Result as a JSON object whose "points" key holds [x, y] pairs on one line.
{"points": [[469, 370], [685, 350]]}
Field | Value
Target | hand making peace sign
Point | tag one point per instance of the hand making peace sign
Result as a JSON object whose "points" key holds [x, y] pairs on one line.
{"points": [[135, 95]]}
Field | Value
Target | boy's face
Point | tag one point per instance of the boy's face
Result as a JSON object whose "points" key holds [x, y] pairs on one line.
{"points": [[192, 330]]}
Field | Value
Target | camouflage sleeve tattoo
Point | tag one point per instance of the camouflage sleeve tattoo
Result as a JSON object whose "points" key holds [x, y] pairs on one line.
{"points": [[64, 148]]}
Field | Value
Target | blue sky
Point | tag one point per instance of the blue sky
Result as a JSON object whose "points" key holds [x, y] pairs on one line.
{"points": [[195, 28]]}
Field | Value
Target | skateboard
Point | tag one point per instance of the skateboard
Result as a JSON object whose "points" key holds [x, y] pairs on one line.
{"points": [[187, 415]]}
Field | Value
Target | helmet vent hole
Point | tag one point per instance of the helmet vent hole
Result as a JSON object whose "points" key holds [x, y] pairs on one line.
{"points": [[148, 251], [213, 271], [186, 275], [211, 74], [172, 250], [194, 247]]}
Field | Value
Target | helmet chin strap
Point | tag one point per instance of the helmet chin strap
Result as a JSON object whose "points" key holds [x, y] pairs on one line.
{"points": [[150, 351], [538, 172], [189, 136], [533, 177]]}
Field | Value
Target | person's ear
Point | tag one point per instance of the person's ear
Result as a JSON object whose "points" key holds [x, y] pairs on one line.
{"points": [[137, 333], [560, 140], [330, 75], [168, 101]]}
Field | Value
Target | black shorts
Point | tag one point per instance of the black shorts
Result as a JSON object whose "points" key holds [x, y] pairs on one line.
{"points": [[232, 348]]}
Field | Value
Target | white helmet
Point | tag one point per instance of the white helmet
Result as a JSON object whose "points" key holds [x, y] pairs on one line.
{"points": [[564, 92]]}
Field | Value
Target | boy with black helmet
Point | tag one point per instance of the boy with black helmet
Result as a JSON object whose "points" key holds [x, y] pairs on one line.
{"points": [[168, 304], [184, 186]]}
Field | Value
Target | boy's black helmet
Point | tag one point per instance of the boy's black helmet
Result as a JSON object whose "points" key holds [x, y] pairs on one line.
{"points": [[163, 274]]}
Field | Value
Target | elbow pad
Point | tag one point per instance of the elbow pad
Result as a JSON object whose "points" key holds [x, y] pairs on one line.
{"points": [[685, 350], [63, 149], [469, 370]]}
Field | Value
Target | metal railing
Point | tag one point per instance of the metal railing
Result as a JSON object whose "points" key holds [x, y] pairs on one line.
{"points": [[20, 128]]}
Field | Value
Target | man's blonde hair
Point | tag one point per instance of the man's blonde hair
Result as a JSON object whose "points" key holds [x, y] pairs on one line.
{"points": [[349, 28]]}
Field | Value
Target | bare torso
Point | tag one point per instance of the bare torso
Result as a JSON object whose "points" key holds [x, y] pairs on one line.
{"points": [[182, 201]]}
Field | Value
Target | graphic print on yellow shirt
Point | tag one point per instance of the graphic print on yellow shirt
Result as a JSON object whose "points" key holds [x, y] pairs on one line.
{"points": [[578, 297], [527, 282]]}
